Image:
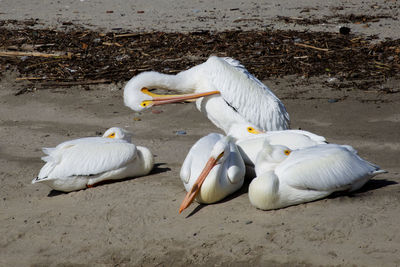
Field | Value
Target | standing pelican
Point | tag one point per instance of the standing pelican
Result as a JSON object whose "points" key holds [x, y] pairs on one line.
{"points": [[235, 96], [81, 163], [212, 170], [286, 177]]}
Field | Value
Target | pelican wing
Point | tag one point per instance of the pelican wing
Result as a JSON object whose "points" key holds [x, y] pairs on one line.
{"points": [[85, 140], [327, 167], [318, 139], [293, 140], [197, 157], [246, 94], [97, 140], [87, 158]]}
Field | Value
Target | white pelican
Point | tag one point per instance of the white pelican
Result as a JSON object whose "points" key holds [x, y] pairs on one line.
{"points": [[250, 140], [212, 170], [235, 96], [81, 163], [286, 177]]}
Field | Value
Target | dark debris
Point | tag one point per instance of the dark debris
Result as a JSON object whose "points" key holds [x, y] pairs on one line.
{"points": [[354, 18], [116, 57]]}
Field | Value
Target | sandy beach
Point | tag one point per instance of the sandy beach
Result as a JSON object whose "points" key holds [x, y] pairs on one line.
{"points": [[135, 222]]}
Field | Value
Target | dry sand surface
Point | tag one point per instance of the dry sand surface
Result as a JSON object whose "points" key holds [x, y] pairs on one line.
{"points": [[136, 221], [144, 15]]}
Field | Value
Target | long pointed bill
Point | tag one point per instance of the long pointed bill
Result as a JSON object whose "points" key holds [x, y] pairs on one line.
{"points": [[167, 99], [190, 196]]}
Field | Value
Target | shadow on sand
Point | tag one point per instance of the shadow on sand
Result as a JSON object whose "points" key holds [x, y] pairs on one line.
{"points": [[369, 186], [243, 190], [156, 169]]}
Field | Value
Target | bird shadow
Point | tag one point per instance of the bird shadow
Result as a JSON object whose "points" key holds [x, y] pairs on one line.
{"points": [[369, 186], [375, 184], [197, 209], [54, 193], [156, 169], [243, 190]]}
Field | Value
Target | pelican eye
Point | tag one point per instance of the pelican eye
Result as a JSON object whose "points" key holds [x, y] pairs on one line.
{"points": [[112, 135], [287, 152], [146, 103], [252, 130]]}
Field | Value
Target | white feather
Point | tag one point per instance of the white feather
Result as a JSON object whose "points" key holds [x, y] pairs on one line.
{"points": [[224, 178], [324, 168], [250, 144], [197, 156], [307, 174], [88, 159], [243, 98], [75, 164], [245, 93]]}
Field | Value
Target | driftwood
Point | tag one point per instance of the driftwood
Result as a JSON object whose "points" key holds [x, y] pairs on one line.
{"points": [[111, 44], [126, 35], [312, 47], [29, 78], [34, 54], [73, 83]]}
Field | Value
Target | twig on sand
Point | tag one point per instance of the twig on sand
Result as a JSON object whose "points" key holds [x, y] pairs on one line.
{"points": [[313, 47], [111, 44], [72, 83], [30, 78], [126, 35], [34, 54]]}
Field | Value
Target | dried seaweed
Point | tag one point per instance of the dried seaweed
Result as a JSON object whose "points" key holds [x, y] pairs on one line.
{"points": [[116, 57], [337, 18]]}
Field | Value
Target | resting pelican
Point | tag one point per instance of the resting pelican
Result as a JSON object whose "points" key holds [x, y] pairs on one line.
{"points": [[286, 177], [81, 163], [234, 95], [250, 140], [212, 170]]}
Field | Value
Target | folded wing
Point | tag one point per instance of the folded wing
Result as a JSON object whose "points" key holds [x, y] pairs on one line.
{"points": [[87, 158], [325, 168]]}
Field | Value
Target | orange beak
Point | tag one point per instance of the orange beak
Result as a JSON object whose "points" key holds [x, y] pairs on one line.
{"points": [[167, 99], [190, 196]]}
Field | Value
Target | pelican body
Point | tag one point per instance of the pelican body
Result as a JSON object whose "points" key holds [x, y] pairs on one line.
{"points": [[213, 168], [225, 91], [286, 177], [84, 162], [250, 140]]}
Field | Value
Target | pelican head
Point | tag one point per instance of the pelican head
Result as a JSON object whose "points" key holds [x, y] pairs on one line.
{"points": [[221, 150], [118, 133], [138, 97], [243, 130], [270, 156], [218, 155]]}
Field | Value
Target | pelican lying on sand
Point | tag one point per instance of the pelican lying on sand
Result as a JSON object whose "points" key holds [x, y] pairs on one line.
{"points": [[250, 140], [212, 170], [84, 162], [286, 177]]}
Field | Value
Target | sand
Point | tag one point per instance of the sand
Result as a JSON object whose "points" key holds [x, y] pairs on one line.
{"points": [[145, 15], [135, 222]]}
